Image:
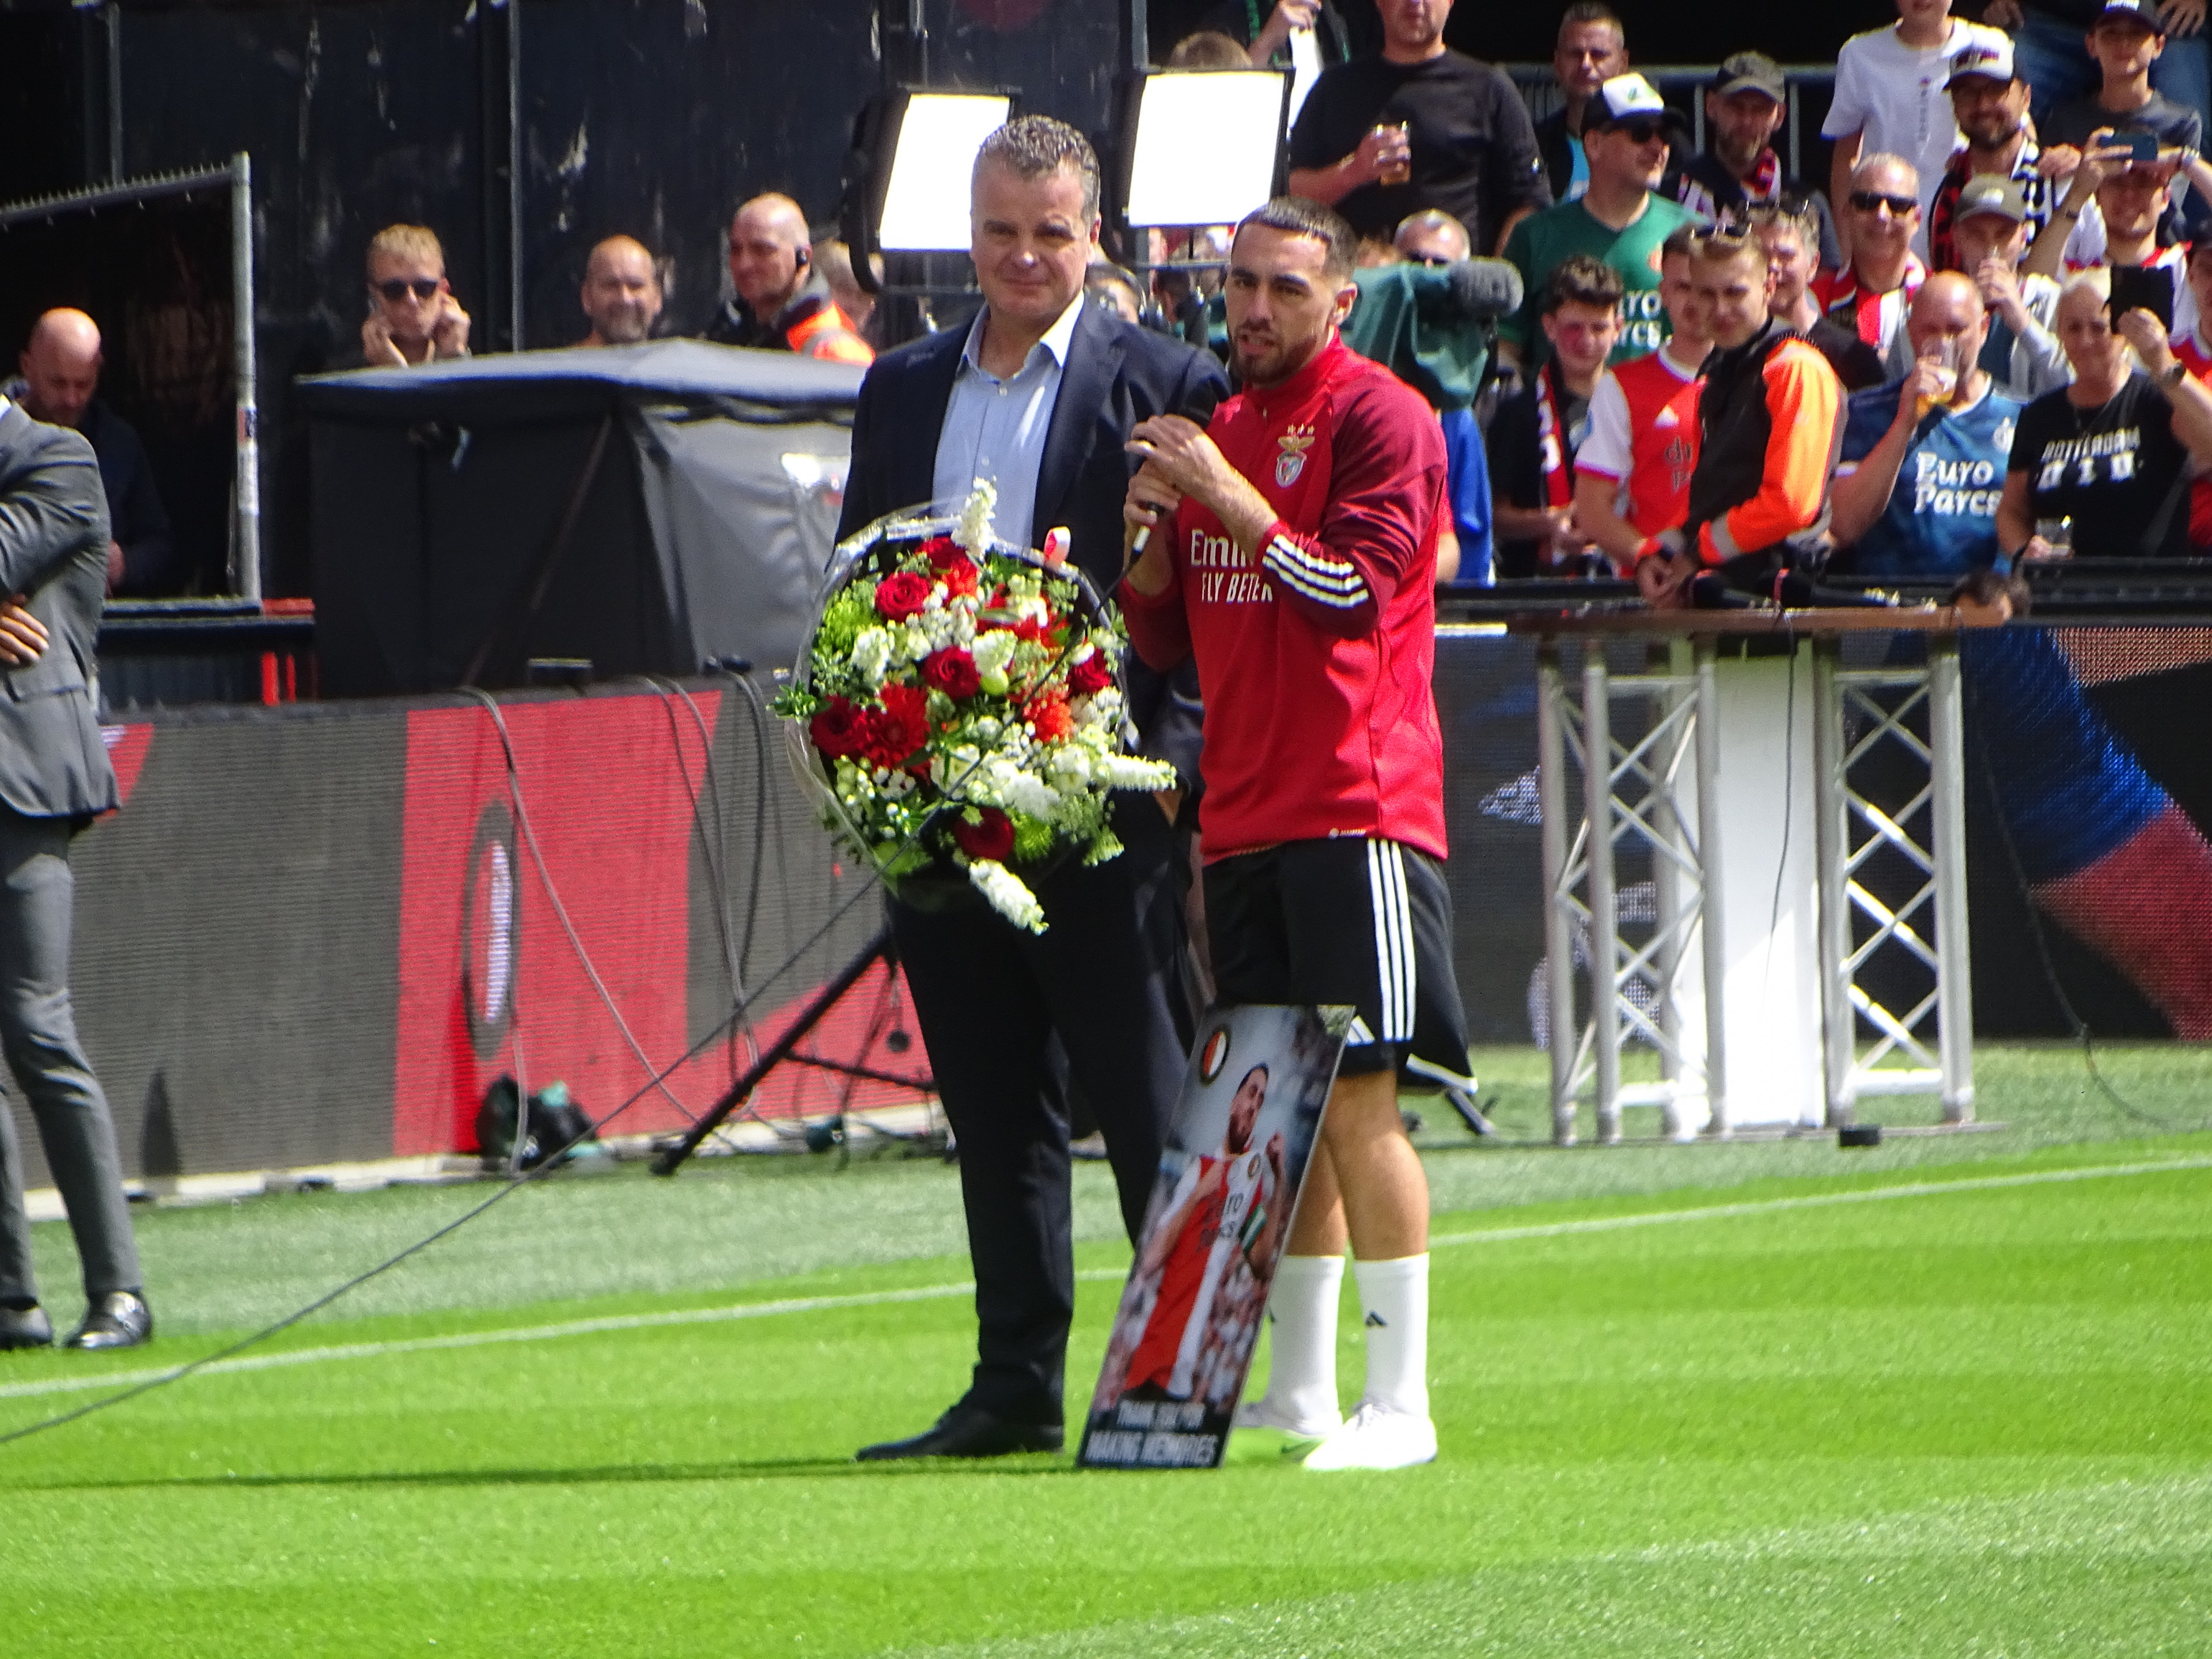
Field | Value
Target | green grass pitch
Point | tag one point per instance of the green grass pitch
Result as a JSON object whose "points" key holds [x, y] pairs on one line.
{"points": [[1950, 1397]]}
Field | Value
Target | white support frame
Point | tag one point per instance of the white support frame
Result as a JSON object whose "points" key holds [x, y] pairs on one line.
{"points": [[1661, 990]]}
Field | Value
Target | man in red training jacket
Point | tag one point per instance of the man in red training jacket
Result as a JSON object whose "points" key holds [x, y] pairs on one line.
{"points": [[1291, 548]]}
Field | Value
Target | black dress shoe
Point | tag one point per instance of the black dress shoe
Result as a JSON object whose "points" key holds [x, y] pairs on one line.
{"points": [[26, 1328], [120, 1319], [968, 1430]]}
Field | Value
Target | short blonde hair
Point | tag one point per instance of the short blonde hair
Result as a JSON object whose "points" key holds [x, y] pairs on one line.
{"points": [[406, 242]]}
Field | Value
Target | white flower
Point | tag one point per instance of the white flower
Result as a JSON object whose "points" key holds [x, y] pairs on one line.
{"points": [[872, 654], [1008, 894], [1071, 767], [1026, 792], [975, 531], [1134, 772], [994, 651]]}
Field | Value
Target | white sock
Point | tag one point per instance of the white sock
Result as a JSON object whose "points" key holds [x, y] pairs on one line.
{"points": [[1301, 1335], [1394, 1297]]}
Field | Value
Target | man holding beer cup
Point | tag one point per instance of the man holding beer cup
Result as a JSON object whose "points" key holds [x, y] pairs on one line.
{"points": [[1420, 126]]}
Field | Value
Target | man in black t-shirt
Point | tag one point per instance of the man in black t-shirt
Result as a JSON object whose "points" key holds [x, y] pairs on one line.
{"points": [[1591, 49], [1418, 127]]}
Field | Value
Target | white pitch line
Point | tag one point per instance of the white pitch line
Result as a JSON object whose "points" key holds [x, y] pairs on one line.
{"points": [[934, 1293], [1816, 1201]]}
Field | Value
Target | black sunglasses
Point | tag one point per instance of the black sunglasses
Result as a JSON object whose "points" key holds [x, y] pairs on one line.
{"points": [[1641, 133], [398, 288], [1868, 201]]}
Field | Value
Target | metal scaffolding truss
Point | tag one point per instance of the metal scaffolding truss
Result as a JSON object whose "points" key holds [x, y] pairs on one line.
{"points": [[1646, 746], [1643, 988], [1864, 718]]}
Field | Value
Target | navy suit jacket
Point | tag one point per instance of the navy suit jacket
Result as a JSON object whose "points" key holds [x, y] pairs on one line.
{"points": [[53, 550], [1117, 375]]}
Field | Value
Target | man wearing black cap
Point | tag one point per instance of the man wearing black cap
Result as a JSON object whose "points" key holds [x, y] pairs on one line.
{"points": [[1990, 102], [1738, 169], [1620, 219], [2127, 38]]}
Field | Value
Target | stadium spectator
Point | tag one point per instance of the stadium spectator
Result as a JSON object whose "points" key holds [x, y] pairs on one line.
{"points": [[1738, 169], [1591, 49], [1923, 460], [1208, 49], [54, 779], [2195, 351], [622, 293], [2126, 40], [1432, 237], [1991, 104], [1266, 31], [1115, 288], [1536, 433], [1870, 295], [413, 317], [2111, 455], [2047, 37], [781, 302], [2119, 202], [1323, 818], [1890, 100], [1788, 233], [60, 383], [1418, 126], [1632, 471], [1989, 229], [1105, 987], [1620, 219], [1768, 421], [835, 261]]}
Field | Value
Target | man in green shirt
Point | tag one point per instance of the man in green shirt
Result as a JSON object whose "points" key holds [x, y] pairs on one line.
{"points": [[1619, 219]]}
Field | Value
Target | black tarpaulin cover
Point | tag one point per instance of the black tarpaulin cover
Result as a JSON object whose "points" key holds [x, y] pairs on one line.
{"points": [[647, 508]]}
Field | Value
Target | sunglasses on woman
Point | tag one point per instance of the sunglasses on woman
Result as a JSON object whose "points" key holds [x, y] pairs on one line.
{"points": [[399, 287]]}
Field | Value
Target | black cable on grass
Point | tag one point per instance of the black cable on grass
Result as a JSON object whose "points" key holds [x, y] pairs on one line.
{"points": [[2081, 1027], [513, 1184], [739, 1010]]}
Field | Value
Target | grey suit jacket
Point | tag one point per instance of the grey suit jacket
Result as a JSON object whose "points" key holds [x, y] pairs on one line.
{"points": [[53, 548]]}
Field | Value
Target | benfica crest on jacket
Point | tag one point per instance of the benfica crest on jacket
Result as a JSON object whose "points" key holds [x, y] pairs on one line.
{"points": [[1292, 461]]}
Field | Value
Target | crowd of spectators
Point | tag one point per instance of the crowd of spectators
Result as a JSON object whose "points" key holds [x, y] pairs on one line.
{"points": [[2043, 156]]}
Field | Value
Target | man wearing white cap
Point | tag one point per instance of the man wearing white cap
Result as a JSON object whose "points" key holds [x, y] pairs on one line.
{"points": [[1621, 219], [1990, 102]]}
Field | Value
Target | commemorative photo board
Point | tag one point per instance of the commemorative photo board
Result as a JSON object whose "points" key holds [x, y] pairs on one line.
{"points": [[1219, 1217]]}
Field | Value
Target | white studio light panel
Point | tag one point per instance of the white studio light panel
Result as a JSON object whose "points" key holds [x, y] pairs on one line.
{"points": [[926, 201], [1206, 147]]}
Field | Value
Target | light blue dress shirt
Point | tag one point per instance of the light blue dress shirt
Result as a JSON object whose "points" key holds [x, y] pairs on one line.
{"points": [[996, 429]]}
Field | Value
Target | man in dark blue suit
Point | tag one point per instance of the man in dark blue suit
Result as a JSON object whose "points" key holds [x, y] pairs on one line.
{"points": [[1039, 396]]}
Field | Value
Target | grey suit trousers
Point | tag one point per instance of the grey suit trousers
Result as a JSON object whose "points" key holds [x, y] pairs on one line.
{"points": [[37, 1037]]}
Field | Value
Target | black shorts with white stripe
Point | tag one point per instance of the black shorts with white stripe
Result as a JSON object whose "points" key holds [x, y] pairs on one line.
{"points": [[1345, 921]]}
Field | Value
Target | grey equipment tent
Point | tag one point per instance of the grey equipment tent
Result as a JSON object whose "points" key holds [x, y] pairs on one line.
{"points": [[649, 508]]}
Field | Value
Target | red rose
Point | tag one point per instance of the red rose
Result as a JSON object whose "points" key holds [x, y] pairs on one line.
{"points": [[903, 729], [901, 595], [1049, 714], [1029, 627], [941, 551], [994, 838], [1090, 676], [960, 576], [840, 728], [952, 671]]}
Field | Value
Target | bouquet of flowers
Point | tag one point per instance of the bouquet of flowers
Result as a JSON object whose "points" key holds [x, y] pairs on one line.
{"points": [[959, 708]]}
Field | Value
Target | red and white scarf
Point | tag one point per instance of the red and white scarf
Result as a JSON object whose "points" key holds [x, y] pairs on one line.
{"points": [[1558, 466]]}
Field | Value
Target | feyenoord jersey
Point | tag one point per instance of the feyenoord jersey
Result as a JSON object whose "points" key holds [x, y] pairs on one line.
{"points": [[1644, 436], [1317, 648], [1213, 1234]]}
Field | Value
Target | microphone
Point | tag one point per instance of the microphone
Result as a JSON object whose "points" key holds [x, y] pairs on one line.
{"points": [[1479, 290]]}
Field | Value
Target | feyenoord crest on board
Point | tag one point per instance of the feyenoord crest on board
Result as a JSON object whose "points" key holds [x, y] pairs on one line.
{"points": [[1292, 461], [1220, 1212]]}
